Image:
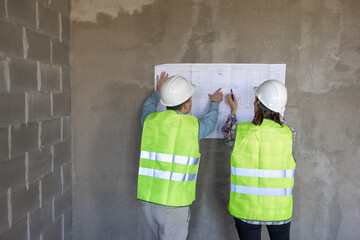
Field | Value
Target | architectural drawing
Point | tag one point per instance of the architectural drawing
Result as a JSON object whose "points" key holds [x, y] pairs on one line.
{"points": [[241, 78]]}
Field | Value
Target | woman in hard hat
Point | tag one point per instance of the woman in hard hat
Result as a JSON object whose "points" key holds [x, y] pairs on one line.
{"points": [[262, 165]]}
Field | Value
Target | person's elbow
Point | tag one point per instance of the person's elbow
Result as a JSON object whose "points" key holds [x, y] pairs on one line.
{"points": [[209, 127], [142, 121], [143, 117]]}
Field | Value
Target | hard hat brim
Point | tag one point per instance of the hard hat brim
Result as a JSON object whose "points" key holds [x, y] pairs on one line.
{"points": [[193, 88]]}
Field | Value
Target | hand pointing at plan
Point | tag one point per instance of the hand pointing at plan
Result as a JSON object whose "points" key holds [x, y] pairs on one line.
{"points": [[217, 96]]}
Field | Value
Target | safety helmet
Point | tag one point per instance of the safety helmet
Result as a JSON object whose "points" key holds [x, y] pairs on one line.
{"points": [[272, 94], [176, 90]]}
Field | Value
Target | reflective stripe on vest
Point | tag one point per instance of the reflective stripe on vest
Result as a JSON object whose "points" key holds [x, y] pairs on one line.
{"points": [[261, 191], [162, 157], [167, 175], [245, 172]]}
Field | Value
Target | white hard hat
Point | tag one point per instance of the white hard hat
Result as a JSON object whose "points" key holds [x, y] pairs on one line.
{"points": [[272, 94], [176, 90]]}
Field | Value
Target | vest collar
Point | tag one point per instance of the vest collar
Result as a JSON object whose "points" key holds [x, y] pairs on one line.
{"points": [[268, 122]]}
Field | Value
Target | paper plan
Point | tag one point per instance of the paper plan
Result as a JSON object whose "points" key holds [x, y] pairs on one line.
{"points": [[241, 78]]}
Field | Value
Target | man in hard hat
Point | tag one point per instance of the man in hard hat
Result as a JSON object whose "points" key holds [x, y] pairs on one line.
{"points": [[262, 165], [169, 159]]}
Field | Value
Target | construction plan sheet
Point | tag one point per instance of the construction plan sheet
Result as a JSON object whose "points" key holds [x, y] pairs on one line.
{"points": [[240, 78]]}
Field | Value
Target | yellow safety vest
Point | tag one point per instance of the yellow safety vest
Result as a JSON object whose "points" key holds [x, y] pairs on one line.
{"points": [[169, 159], [262, 172]]}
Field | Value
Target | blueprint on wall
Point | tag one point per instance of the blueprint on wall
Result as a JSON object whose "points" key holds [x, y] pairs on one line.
{"points": [[241, 78]]}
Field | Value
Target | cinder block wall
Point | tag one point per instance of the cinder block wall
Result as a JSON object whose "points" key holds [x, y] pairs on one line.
{"points": [[35, 122]]}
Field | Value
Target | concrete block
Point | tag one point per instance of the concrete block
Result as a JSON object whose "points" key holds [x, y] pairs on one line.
{"points": [[61, 103], [60, 53], [65, 26], [24, 139], [51, 185], [66, 81], [39, 164], [4, 224], [50, 77], [4, 145], [39, 46], [12, 174], [39, 106], [11, 39], [40, 220], [17, 231], [61, 5], [23, 75], [62, 153], [24, 200], [12, 108], [67, 172], [22, 11], [50, 131], [63, 202], [66, 128], [49, 21], [54, 232], [67, 224]]}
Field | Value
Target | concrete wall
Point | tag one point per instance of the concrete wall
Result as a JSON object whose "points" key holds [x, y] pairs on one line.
{"points": [[115, 45], [35, 123]]}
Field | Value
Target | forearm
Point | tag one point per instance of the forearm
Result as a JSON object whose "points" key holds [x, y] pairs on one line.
{"points": [[229, 130], [150, 105], [208, 123]]}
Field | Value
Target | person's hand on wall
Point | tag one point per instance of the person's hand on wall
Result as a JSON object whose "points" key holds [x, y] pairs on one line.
{"points": [[232, 103], [217, 96], [160, 80]]}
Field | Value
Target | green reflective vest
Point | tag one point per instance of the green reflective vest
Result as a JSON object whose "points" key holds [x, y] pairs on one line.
{"points": [[262, 172], [169, 159]]}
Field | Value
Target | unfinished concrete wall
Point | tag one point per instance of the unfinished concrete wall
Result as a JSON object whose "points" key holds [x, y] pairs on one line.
{"points": [[35, 124], [115, 45]]}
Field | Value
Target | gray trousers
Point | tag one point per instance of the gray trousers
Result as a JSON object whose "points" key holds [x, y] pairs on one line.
{"points": [[167, 223]]}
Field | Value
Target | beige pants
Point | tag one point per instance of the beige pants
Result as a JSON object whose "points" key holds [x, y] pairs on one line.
{"points": [[167, 223]]}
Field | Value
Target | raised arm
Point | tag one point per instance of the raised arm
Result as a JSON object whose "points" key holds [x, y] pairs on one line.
{"points": [[151, 102], [208, 123], [229, 128]]}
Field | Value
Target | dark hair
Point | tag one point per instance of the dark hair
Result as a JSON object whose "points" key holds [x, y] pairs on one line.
{"points": [[177, 107], [263, 112]]}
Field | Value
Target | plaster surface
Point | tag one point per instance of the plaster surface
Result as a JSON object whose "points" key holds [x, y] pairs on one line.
{"points": [[113, 57], [85, 10]]}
